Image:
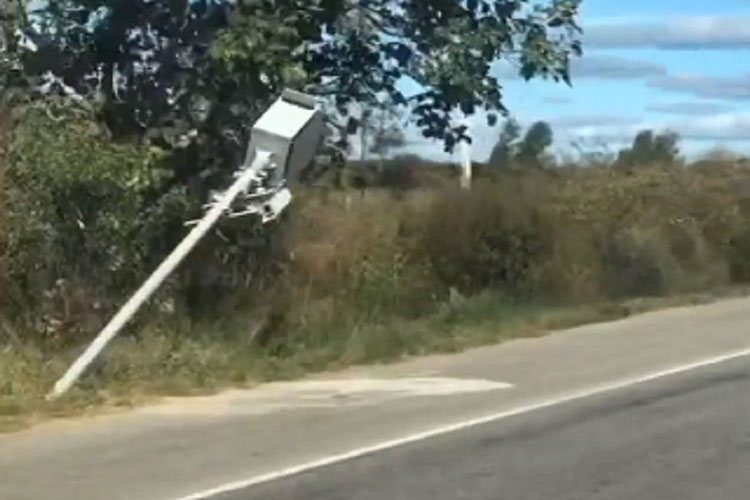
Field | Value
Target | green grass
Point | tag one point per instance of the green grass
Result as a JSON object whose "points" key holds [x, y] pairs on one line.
{"points": [[169, 363]]}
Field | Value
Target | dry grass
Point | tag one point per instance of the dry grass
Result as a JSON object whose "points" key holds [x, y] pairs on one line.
{"points": [[367, 277], [164, 363]]}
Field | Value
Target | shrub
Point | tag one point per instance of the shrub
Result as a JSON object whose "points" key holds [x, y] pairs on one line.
{"points": [[490, 237], [101, 215], [632, 266], [739, 257], [80, 212]]}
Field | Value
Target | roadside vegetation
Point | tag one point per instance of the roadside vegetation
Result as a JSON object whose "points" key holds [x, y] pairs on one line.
{"points": [[407, 264], [110, 140]]}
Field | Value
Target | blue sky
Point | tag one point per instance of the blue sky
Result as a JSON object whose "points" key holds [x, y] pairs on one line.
{"points": [[682, 65]]}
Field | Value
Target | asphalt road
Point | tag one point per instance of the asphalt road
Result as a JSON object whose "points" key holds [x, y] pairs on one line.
{"points": [[684, 438], [652, 407]]}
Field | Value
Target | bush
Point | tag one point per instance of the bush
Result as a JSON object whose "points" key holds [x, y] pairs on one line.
{"points": [[490, 237], [340, 279], [348, 267], [100, 216], [87, 220], [632, 266], [739, 257], [81, 215]]}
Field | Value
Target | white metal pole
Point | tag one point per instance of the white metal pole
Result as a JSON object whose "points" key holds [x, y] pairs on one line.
{"points": [[241, 184], [465, 165], [465, 160]]}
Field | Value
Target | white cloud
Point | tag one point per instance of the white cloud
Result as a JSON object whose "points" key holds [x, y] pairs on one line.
{"points": [[575, 121], [700, 32], [725, 126], [611, 132], [688, 108], [718, 127], [614, 68], [725, 88]]}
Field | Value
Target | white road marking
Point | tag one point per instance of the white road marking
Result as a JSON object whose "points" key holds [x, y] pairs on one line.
{"points": [[466, 424]]}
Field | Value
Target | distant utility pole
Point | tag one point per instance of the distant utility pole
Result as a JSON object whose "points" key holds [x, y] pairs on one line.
{"points": [[464, 151]]}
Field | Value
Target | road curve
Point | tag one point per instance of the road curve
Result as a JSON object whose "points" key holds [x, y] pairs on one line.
{"points": [[674, 439]]}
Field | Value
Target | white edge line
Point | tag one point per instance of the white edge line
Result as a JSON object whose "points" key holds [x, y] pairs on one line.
{"points": [[466, 424]]}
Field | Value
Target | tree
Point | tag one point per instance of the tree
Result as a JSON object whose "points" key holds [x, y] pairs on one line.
{"points": [[536, 141], [387, 129], [12, 21], [666, 147], [388, 138], [505, 150], [191, 75], [650, 149], [380, 130], [509, 151], [643, 145]]}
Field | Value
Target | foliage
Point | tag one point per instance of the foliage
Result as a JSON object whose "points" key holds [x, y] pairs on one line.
{"points": [[552, 236], [719, 154], [527, 152], [87, 210], [177, 84], [387, 139], [385, 127], [651, 149], [12, 19], [368, 278], [205, 359], [195, 73], [79, 208], [505, 150], [537, 139], [495, 242]]}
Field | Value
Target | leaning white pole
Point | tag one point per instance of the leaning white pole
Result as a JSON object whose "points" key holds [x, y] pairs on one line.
{"points": [[262, 159]]}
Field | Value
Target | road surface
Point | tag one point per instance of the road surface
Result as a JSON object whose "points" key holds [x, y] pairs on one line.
{"points": [[655, 406], [678, 440]]}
